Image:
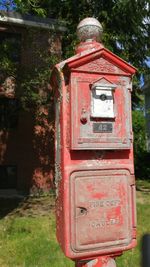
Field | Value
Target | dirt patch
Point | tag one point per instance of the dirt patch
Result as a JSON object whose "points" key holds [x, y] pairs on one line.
{"points": [[42, 206], [143, 197], [29, 206]]}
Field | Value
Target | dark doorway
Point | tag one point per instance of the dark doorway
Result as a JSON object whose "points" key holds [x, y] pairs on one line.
{"points": [[8, 177]]}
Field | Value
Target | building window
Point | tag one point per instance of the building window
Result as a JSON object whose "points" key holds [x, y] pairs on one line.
{"points": [[8, 177], [10, 58], [10, 44], [8, 113]]}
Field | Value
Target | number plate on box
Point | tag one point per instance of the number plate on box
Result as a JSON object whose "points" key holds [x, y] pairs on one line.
{"points": [[102, 127]]}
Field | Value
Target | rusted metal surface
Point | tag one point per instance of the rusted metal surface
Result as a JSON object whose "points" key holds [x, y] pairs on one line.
{"points": [[89, 29], [100, 204], [95, 207], [83, 136], [98, 262]]}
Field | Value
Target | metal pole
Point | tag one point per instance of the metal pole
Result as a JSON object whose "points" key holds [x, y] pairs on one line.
{"points": [[98, 262], [146, 250]]}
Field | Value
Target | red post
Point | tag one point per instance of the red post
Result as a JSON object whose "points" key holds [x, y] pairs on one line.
{"points": [[98, 262], [94, 170]]}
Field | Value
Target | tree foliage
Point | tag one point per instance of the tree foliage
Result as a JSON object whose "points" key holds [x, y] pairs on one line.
{"points": [[139, 132], [126, 27], [141, 157], [126, 23], [126, 30]]}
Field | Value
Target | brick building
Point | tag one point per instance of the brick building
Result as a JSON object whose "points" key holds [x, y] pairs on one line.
{"points": [[26, 146]]}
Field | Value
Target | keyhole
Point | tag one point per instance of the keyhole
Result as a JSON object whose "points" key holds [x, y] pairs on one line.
{"points": [[83, 116], [83, 211], [103, 97]]}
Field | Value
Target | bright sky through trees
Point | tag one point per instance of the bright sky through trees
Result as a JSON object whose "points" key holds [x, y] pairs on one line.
{"points": [[7, 5]]}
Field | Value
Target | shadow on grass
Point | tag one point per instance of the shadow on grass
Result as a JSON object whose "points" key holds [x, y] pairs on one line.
{"points": [[27, 206], [8, 205]]}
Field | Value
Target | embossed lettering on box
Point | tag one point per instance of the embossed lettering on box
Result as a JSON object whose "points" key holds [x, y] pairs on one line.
{"points": [[100, 208], [100, 101]]}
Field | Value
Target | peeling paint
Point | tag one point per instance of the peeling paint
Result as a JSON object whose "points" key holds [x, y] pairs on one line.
{"points": [[92, 263], [94, 158]]}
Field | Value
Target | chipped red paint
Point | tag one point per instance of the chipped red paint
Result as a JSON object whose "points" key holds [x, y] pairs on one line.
{"points": [[98, 262], [95, 205]]}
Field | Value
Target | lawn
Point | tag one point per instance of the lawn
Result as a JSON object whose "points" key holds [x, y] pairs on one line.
{"points": [[27, 239]]}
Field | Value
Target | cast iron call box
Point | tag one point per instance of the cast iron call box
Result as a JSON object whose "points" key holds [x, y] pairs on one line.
{"points": [[94, 172]]}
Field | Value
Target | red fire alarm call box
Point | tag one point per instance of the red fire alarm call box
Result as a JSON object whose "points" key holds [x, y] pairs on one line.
{"points": [[94, 172]]}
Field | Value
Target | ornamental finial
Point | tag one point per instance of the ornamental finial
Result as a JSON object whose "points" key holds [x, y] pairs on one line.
{"points": [[89, 29]]}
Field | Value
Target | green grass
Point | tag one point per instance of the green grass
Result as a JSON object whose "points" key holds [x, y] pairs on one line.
{"points": [[31, 242], [133, 257]]}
